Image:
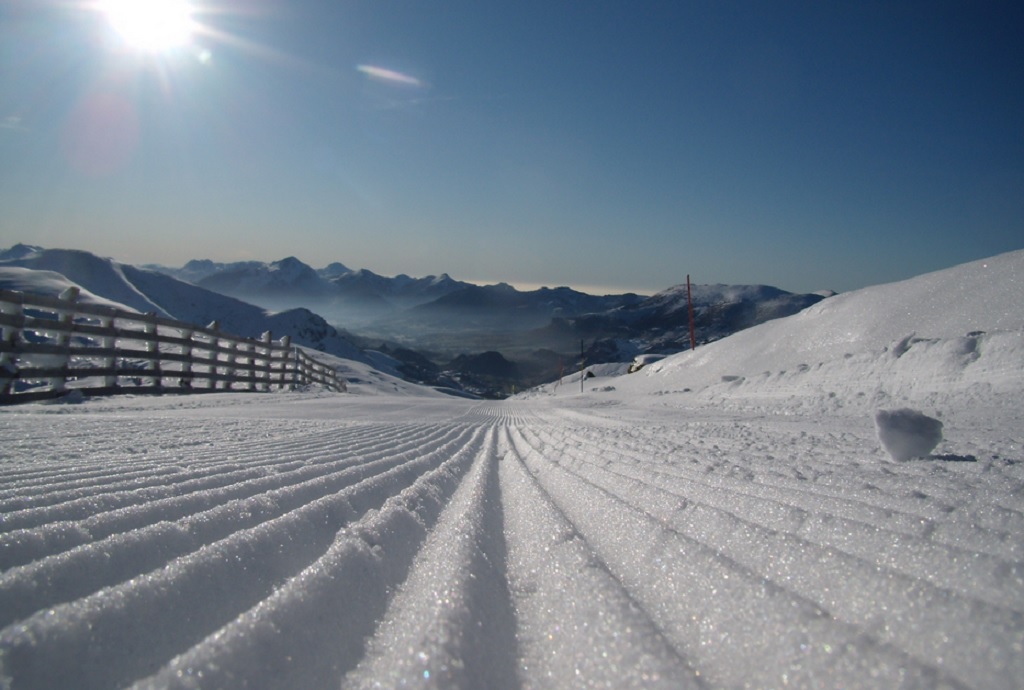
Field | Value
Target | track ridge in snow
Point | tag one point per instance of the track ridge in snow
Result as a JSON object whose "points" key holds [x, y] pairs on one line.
{"points": [[563, 589], [711, 572], [730, 507], [497, 544], [455, 608]]}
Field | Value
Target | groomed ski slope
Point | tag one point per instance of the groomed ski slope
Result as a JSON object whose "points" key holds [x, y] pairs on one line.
{"points": [[673, 528]]}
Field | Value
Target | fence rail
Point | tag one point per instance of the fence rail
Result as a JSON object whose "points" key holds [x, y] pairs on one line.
{"points": [[51, 346]]}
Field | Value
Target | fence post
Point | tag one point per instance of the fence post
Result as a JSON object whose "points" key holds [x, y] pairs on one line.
{"points": [[11, 337], [214, 358], [229, 364], [65, 317], [268, 363], [253, 348], [284, 382], [149, 328], [186, 351], [108, 342], [226, 366]]}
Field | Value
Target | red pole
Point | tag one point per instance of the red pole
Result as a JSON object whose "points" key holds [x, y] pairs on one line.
{"points": [[689, 304]]}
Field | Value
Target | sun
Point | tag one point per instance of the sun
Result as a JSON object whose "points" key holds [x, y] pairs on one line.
{"points": [[150, 25]]}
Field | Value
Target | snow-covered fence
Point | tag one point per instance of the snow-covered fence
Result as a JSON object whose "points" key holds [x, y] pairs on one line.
{"points": [[53, 345]]}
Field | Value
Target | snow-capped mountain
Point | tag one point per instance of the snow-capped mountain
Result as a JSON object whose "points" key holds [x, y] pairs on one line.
{"points": [[504, 308], [287, 278], [49, 271], [443, 314], [342, 295], [340, 288], [538, 330], [102, 277], [660, 323], [49, 283], [279, 278], [400, 291], [19, 251], [333, 270]]}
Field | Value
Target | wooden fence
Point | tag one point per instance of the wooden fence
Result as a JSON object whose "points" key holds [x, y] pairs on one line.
{"points": [[52, 346]]}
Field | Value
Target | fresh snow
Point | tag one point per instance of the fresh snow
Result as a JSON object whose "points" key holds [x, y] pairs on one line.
{"points": [[724, 518], [49, 283]]}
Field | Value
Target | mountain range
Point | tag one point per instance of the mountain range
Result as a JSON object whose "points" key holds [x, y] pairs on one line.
{"points": [[488, 339], [338, 292], [441, 313], [105, 281]]}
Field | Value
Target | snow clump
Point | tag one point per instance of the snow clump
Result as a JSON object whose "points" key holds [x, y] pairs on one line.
{"points": [[907, 433]]}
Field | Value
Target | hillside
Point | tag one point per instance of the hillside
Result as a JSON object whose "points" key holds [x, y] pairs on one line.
{"points": [[48, 271], [945, 339]]}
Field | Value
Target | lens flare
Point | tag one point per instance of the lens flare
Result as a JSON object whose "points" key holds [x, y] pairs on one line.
{"points": [[150, 25], [389, 75]]}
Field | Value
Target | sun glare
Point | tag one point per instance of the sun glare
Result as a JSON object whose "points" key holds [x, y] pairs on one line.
{"points": [[150, 25]]}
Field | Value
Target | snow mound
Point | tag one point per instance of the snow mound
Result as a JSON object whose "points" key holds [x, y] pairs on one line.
{"points": [[947, 338], [906, 434], [49, 283]]}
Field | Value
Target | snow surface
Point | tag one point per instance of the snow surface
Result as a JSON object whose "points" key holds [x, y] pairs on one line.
{"points": [[50, 283], [723, 518]]}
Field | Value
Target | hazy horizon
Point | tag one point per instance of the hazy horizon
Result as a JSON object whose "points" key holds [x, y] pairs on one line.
{"points": [[519, 285]]}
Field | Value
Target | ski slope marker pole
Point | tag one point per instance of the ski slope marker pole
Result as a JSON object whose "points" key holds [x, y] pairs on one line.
{"points": [[689, 304]]}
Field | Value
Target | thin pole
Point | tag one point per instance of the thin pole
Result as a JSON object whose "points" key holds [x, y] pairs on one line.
{"points": [[583, 365], [689, 304]]}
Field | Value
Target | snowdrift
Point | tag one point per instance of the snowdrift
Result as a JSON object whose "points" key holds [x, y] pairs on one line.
{"points": [[50, 283], [951, 337]]}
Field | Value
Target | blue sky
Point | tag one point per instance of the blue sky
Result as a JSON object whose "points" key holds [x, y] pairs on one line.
{"points": [[608, 146]]}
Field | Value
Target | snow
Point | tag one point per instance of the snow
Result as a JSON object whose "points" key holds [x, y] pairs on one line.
{"points": [[49, 283], [736, 516], [907, 434], [122, 286]]}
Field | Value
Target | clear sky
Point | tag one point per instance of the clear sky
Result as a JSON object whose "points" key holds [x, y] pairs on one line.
{"points": [[605, 145]]}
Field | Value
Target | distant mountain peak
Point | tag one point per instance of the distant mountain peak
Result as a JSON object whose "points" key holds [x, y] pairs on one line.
{"points": [[294, 269], [289, 262], [19, 251], [333, 270]]}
